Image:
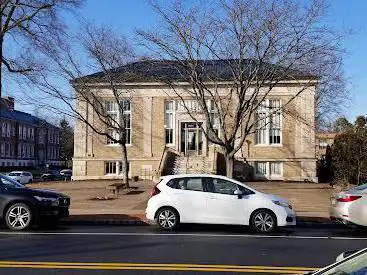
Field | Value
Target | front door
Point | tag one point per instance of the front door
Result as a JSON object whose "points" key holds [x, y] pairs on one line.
{"points": [[191, 142], [223, 206], [191, 138]]}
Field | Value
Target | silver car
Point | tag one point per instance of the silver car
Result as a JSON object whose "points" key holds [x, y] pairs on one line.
{"points": [[354, 264], [350, 207]]}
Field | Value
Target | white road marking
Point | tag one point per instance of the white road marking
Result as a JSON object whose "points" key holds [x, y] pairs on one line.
{"points": [[180, 235]]}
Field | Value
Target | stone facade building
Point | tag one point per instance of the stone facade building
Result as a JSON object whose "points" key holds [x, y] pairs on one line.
{"points": [[164, 139], [25, 140]]}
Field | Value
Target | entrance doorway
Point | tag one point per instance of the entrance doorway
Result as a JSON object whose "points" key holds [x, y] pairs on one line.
{"points": [[191, 139]]}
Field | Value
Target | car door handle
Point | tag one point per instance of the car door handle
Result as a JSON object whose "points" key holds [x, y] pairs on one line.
{"points": [[213, 198]]}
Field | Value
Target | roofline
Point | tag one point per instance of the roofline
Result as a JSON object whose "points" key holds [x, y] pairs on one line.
{"points": [[40, 122], [311, 81]]}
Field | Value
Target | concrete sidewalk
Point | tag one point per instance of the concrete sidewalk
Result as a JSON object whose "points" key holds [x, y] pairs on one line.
{"points": [[91, 202]]}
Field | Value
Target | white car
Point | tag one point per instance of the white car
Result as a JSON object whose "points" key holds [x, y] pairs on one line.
{"points": [[212, 199], [22, 177]]}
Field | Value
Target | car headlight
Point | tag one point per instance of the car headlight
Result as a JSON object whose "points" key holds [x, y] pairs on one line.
{"points": [[52, 201], [283, 203]]}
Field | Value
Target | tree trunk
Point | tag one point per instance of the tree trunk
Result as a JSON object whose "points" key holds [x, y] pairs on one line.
{"points": [[124, 165], [229, 165]]}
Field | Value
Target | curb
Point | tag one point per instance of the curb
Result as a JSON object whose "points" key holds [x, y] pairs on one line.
{"points": [[105, 219], [135, 220]]}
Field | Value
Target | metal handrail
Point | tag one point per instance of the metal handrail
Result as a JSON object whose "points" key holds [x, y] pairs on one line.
{"points": [[164, 153]]}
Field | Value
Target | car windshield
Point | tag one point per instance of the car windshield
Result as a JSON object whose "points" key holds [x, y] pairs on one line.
{"points": [[10, 183], [356, 265], [14, 174]]}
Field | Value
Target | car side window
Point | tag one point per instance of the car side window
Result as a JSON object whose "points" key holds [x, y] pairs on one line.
{"points": [[221, 186], [177, 183], [9, 184], [193, 184], [244, 190]]}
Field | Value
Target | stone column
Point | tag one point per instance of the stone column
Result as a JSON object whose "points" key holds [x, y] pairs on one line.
{"points": [[147, 125], [117, 168]]}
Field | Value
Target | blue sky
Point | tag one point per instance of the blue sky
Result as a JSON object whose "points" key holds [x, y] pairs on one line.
{"points": [[127, 15]]}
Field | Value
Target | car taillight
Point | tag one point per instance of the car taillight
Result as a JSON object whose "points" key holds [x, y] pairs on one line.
{"points": [[348, 198], [155, 191]]}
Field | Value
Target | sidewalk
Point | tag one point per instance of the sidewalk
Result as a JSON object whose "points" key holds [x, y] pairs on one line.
{"points": [[91, 202]]}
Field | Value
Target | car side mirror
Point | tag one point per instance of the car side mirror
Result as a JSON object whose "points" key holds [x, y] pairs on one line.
{"points": [[345, 255], [239, 193]]}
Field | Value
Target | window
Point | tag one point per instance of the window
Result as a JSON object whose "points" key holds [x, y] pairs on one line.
{"points": [[8, 130], [3, 130], [221, 186], [214, 120], [116, 120], [23, 150], [177, 183], [268, 122], [2, 149], [7, 149], [110, 167], [275, 169], [271, 169], [9, 183], [261, 168], [128, 167], [169, 120], [115, 167], [274, 122], [323, 144], [193, 184], [213, 115], [189, 104]]}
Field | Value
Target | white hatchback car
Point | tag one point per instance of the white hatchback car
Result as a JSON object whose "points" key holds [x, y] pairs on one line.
{"points": [[21, 176], [212, 199]]}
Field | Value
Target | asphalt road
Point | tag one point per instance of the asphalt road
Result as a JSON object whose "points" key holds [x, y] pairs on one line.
{"points": [[191, 250]]}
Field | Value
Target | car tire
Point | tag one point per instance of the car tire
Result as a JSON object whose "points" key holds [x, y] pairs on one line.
{"points": [[30, 181], [167, 218], [263, 221], [19, 217]]}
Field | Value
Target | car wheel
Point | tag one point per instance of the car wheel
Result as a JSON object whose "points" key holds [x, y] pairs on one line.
{"points": [[168, 218], [18, 217], [263, 221], [30, 181]]}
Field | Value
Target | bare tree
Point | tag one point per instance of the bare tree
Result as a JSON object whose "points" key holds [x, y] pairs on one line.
{"points": [[24, 26], [105, 52], [258, 44]]}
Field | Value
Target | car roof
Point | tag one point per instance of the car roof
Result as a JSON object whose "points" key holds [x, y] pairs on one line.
{"points": [[19, 172], [168, 177]]}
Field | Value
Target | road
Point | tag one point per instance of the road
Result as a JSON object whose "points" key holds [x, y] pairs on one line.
{"points": [[191, 250]]}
